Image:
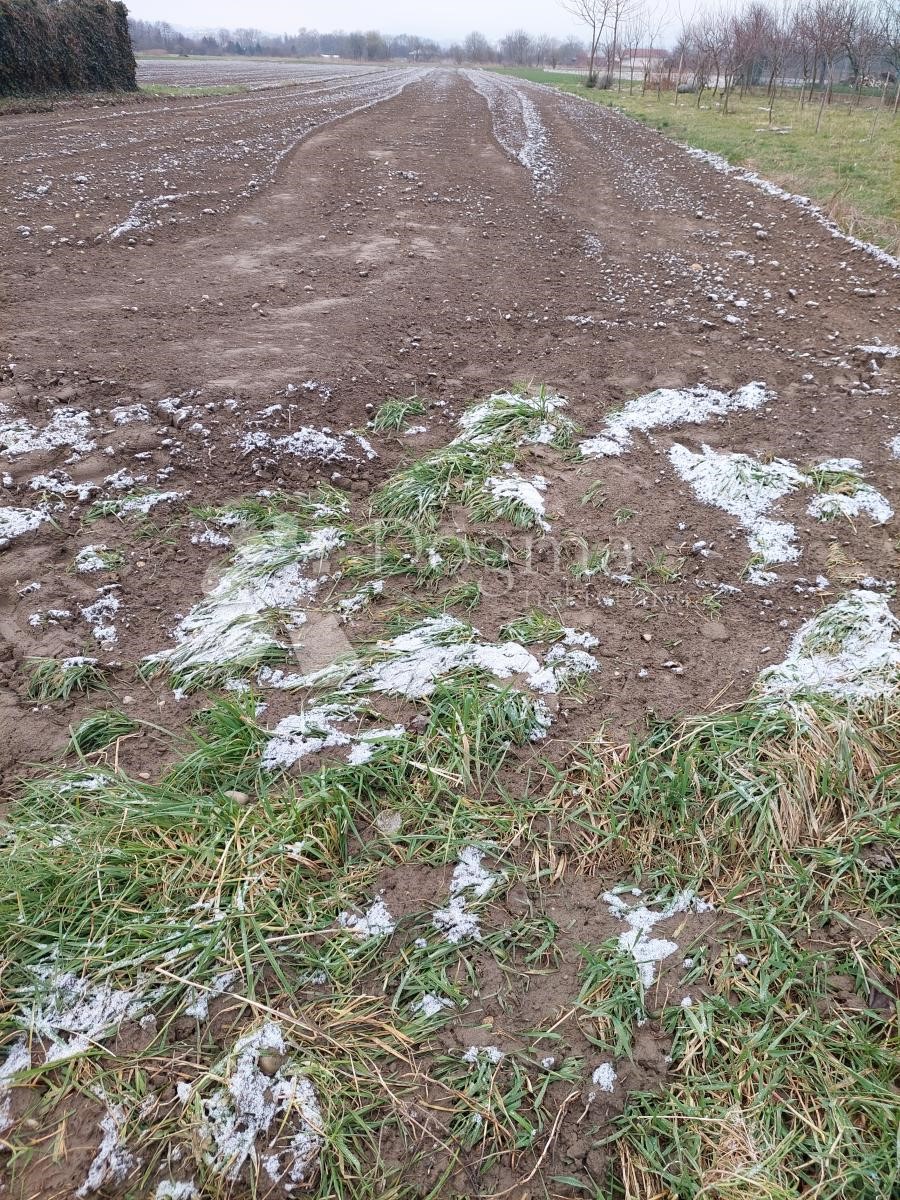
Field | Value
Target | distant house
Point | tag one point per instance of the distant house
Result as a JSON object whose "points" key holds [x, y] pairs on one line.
{"points": [[643, 59]]}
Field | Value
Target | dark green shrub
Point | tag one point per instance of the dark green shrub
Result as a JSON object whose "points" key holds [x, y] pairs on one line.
{"points": [[72, 45]]}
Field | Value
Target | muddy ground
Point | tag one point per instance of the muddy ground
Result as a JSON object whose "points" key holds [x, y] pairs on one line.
{"points": [[325, 259]]}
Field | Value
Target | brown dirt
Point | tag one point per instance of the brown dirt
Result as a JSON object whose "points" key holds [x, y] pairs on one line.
{"points": [[402, 250]]}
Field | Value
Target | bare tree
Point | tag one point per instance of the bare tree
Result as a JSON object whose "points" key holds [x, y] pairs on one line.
{"points": [[593, 14], [619, 12], [478, 49], [517, 48]]}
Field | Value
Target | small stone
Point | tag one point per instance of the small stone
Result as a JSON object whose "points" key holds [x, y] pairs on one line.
{"points": [[714, 631], [269, 1064], [236, 797]]}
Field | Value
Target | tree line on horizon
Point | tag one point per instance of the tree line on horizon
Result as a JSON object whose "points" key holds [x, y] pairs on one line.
{"points": [[810, 42]]}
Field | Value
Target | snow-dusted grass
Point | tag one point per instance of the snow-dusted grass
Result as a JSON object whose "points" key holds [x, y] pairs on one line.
{"points": [[237, 626], [849, 650], [412, 663], [57, 679], [476, 468]]}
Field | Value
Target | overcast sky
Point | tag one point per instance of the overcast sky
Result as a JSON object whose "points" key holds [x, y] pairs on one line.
{"points": [[443, 22]]}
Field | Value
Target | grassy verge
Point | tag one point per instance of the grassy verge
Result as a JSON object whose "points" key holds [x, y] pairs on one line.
{"points": [[176, 89], [849, 166]]}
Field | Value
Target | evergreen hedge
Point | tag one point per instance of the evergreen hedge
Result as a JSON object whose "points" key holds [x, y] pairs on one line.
{"points": [[64, 45]]}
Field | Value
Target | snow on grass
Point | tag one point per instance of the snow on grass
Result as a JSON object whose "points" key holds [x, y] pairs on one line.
{"points": [[746, 489], [93, 558], [375, 922], [411, 664], [826, 507], [317, 729], [647, 951], [521, 417], [65, 428], [72, 1014], [427, 1005], [14, 522], [843, 493], [138, 504], [849, 650], [258, 1102], [669, 406], [483, 1054], [113, 1161], [236, 623], [18, 1059], [457, 921], [519, 499]]}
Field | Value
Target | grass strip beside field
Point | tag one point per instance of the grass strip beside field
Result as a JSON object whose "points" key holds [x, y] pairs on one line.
{"points": [[849, 167]]}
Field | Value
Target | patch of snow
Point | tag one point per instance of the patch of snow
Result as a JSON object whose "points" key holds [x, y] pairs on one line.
{"points": [[636, 941], [142, 504], [375, 922], [89, 558], [65, 428], [479, 1054], [470, 875], [746, 489], [18, 1059], [317, 729], [429, 1005], [253, 1105], [14, 522], [126, 414], [604, 1077], [72, 1014], [200, 997], [457, 921], [848, 650], [169, 1189], [113, 1161], [97, 616], [669, 406], [304, 443]]}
